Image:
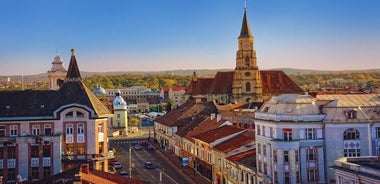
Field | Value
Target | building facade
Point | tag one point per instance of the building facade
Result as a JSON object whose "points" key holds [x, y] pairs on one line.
{"points": [[45, 132]]}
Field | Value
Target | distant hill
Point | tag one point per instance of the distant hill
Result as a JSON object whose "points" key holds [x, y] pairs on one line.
{"points": [[201, 73]]}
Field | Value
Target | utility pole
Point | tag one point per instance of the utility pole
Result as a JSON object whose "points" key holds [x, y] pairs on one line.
{"points": [[130, 162]]}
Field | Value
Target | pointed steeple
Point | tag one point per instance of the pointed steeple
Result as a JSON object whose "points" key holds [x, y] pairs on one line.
{"points": [[245, 29], [73, 73]]}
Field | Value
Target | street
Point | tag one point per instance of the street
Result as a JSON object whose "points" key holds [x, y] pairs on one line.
{"points": [[164, 172]]}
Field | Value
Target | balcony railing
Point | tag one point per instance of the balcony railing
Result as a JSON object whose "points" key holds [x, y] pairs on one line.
{"points": [[82, 157], [291, 117]]}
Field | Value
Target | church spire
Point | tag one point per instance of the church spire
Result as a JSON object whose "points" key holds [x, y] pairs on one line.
{"points": [[73, 73], [245, 29]]}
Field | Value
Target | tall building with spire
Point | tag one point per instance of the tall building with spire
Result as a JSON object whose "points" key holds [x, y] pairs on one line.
{"points": [[120, 120], [56, 74], [246, 83]]}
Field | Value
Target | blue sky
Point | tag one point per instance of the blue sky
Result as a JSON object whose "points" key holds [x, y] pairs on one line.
{"points": [[152, 35]]}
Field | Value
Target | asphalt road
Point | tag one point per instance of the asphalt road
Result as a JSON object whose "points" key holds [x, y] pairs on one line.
{"points": [[165, 172]]}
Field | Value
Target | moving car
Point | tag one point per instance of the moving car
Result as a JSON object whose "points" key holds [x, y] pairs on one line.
{"points": [[124, 173], [117, 165], [137, 147], [149, 165]]}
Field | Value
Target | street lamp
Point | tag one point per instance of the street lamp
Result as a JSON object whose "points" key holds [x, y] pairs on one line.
{"points": [[130, 162]]}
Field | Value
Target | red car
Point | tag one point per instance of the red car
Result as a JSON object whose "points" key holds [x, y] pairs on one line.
{"points": [[143, 143]]}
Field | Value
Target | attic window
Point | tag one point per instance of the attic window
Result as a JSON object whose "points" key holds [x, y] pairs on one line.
{"points": [[69, 114], [80, 114], [351, 114]]}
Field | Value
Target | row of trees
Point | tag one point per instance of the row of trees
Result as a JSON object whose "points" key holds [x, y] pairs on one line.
{"points": [[152, 81]]}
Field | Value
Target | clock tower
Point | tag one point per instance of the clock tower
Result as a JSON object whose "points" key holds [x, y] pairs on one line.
{"points": [[246, 85]]}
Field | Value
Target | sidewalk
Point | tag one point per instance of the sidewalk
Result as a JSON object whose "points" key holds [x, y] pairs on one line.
{"points": [[192, 177]]}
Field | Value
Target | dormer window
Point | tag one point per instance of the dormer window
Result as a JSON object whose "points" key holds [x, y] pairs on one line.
{"points": [[69, 114], [351, 114], [80, 114]]}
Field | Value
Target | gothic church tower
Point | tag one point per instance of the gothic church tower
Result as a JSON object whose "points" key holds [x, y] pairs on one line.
{"points": [[246, 85]]}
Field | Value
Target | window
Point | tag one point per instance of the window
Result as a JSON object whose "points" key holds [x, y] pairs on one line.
{"points": [[11, 175], [263, 129], [36, 129], [275, 177], [259, 148], [258, 130], [1, 153], [296, 155], [351, 152], [35, 173], [286, 156], [46, 172], [311, 175], [47, 129], [34, 151], [274, 155], [11, 152], [351, 114], [311, 154], [310, 133], [46, 151], [81, 149], [247, 86], [14, 130], [271, 132], [80, 128], [260, 167], [287, 178], [3, 131], [118, 115], [246, 60], [69, 115], [80, 114], [100, 128], [69, 129], [298, 177], [288, 134], [351, 134], [378, 132], [264, 149]]}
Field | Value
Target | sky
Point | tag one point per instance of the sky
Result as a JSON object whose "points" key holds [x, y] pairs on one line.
{"points": [[160, 35]]}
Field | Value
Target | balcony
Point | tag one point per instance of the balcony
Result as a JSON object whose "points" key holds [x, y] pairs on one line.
{"points": [[87, 157], [290, 117]]}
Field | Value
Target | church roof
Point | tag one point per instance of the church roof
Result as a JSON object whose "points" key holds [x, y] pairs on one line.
{"points": [[57, 65], [273, 83], [245, 29]]}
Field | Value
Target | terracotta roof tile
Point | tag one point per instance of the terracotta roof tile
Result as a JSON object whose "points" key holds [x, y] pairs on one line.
{"points": [[247, 158], [218, 133], [273, 83], [234, 143]]}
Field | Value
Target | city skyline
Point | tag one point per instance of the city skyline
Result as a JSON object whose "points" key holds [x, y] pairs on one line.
{"points": [[169, 35]]}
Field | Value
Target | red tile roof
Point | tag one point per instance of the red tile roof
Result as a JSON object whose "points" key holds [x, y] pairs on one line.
{"points": [[234, 143], [203, 127], [273, 83], [218, 133]]}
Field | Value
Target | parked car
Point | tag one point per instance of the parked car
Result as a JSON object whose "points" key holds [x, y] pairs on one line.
{"points": [[112, 162], [143, 143], [133, 143], [150, 148], [137, 147], [149, 165], [117, 165], [124, 173]]}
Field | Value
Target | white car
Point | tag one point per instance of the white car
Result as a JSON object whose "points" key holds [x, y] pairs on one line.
{"points": [[117, 165]]}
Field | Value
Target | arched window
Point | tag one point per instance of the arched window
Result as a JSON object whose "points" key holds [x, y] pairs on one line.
{"points": [[247, 86], [247, 61], [351, 134]]}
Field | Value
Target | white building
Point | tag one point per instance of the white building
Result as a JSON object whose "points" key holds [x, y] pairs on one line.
{"points": [[299, 137]]}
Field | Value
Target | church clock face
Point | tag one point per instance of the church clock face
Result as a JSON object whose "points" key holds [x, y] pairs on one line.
{"points": [[247, 74]]}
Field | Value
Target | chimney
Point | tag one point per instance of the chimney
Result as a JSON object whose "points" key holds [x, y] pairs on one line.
{"points": [[212, 116], [218, 117]]}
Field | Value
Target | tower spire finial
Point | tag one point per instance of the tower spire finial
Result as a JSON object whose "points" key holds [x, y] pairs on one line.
{"points": [[245, 4], [57, 51], [72, 51]]}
